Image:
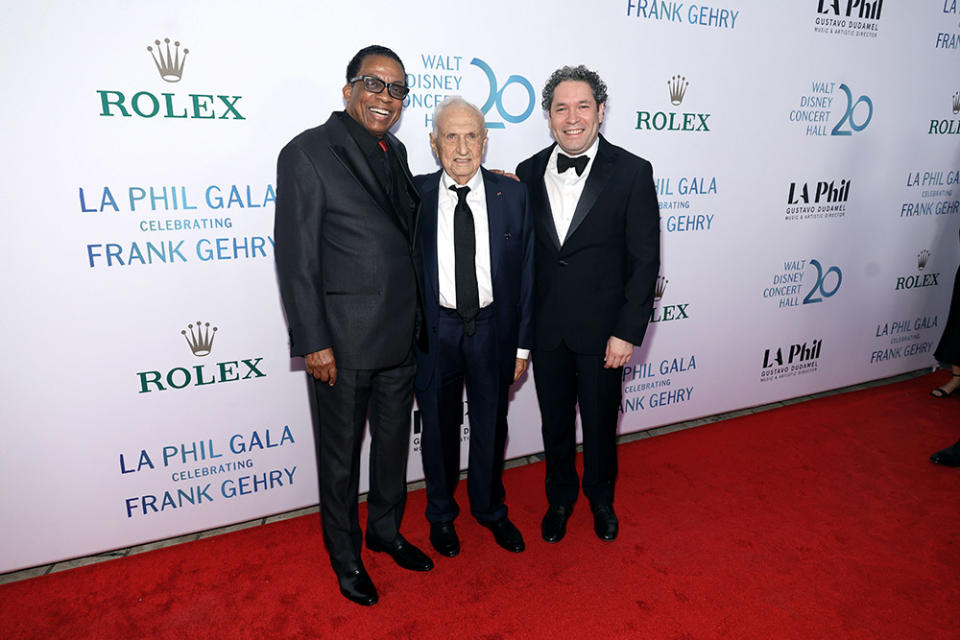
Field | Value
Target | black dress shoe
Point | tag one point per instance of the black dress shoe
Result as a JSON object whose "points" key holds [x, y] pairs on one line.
{"points": [[949, 457], [403, 553], [554, 524], [444, 538], [356, 586], [605, 523], [506, 535]]}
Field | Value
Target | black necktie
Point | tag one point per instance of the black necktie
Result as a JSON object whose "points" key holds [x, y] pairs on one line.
{"points": [[464, 267], [565, 162]]}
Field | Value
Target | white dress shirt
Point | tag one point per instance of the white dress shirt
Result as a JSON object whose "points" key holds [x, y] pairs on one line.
{"points": [[446, 256], [564, 189]]}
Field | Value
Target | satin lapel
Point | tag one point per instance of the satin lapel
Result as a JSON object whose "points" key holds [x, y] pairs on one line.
{"points": [[495, 221], [541, 202], [596, 182], [429, 210]]}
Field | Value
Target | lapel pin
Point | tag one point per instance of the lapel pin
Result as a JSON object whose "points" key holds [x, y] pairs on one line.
{"points": [[498, 193], [507, 235]]}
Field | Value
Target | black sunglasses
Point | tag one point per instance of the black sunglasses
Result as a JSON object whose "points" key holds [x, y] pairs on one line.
{"points": [[373, 84]]}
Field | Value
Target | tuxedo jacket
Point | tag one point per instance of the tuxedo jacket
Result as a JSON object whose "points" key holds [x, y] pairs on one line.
{"points": [[511, 267], [347, 260], [599, 280]]}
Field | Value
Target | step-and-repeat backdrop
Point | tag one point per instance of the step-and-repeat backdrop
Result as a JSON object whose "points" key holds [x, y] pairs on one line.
{"points": [[806, 160]]}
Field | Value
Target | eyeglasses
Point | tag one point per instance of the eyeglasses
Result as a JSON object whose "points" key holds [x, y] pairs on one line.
{"points": [[373, 84]]}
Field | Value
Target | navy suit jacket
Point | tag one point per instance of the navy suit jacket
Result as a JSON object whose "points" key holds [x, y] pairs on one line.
{"points": [[511, 265], [600, 281]]}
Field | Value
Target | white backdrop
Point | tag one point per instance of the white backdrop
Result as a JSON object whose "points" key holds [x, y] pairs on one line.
{"points": [[137, 206]]}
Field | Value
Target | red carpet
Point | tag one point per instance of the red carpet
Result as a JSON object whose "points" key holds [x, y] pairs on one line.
{"points": [[820, 520]]}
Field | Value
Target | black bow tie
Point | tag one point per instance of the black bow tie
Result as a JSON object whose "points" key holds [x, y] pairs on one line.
{"points": [[565, 162]]}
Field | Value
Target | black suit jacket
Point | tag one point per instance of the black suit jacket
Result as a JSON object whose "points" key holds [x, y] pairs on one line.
{"points": [[510, 222], [347, 260], [600, 280]]}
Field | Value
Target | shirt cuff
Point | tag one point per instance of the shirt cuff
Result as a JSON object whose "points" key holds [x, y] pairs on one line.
{"points": [[523, 354]]}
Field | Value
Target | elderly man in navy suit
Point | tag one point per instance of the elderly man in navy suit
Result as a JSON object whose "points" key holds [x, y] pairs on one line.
{"points": [[476, 239]]}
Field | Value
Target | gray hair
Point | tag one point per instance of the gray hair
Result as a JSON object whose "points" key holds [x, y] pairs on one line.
{"points": [[455, 101], [581, 73]]}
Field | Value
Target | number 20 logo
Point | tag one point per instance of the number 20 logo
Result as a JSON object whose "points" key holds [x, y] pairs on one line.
{"points": [[820, 285], [838, 130], [496, 96]]}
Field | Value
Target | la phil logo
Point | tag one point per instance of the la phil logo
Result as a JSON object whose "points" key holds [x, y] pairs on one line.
{"points": [[947, 126], [145, 104], [823, 192], [919, 280], [200, 339], [674, 120], [865, 9], [787, 362], [822, 199], [795, 354]]}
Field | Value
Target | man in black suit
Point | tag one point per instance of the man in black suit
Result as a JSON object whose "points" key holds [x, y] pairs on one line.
{"points": [[597, 256], [347, 214], [477, 244]]}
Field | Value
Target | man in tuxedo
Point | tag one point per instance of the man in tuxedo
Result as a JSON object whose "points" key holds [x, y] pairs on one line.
{"points": [[477, 244], [347, 214], [597, 255]]}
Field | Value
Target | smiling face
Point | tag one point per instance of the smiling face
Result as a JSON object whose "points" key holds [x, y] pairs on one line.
{"points": [[376, 112], [460, 142], [574, 116]]}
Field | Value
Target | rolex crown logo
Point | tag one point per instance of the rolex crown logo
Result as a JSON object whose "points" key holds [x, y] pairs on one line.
{"points": [[922, 259], [169, 63], [678, 88], [200, 338], [661, 287], [956, 102]]}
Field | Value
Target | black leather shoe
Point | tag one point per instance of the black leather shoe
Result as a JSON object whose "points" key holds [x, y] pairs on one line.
{"points": [[605, 523], [403, 553], [554, 524], [506, 534], [949, 457], [444, 538], [356, 586]]}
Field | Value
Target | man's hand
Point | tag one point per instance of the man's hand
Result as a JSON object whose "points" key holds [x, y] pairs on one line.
{"points": [[501, 172], [520, 367], [618, 353], [322, 365]]}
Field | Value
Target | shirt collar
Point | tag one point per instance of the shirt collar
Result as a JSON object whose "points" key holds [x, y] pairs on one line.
{"points": [[368, 143], [475, 183]]}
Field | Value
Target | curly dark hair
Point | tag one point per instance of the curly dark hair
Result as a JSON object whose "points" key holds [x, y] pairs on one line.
{"points": [[353, 68], [581, 73]]}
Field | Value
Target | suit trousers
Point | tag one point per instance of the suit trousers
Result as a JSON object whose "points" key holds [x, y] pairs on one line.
{"points": [[470, 359], [564, 379], [341, 415]]}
